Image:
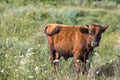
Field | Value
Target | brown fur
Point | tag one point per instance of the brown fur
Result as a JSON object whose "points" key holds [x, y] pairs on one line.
{"points": [[73, 41]]}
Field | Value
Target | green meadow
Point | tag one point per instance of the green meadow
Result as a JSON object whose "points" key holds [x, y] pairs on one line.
{"points": [[24, 53]]}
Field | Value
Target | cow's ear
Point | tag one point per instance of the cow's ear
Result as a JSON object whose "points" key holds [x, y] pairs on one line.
{"points": [[104, 28], [84, 30]]}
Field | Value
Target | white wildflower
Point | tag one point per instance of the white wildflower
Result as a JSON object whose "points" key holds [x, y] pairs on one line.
{"points": [[23, 61], [17, 75], [97, 72], [27, 70], [119, 40], [7, 43], [36, 68], [15, 57], [2, 71], [30, 77], [38, 45], [46, 72], [16, 70], [111, 61], [6, 55], [21, 67], [32, 60], [21, 56], [29, 54], [96, 53], [43, 65], [29, 49]]}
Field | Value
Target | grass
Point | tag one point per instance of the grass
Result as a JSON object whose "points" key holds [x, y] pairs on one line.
{"points": [[23, 47]]}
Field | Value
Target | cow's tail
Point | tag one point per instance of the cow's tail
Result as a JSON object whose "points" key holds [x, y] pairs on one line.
{"points": [[50, 31]]}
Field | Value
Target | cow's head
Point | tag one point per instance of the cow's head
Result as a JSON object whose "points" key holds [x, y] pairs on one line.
{"points": [[95, 31]]}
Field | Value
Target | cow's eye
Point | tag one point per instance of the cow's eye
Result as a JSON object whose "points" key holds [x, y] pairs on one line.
{"points": [[93, 31]]}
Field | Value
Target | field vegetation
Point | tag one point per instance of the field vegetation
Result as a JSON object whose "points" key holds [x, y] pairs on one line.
{"points": [[24, 53]]}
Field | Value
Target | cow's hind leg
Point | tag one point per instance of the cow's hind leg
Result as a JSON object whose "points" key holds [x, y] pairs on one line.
{"points": [[56, 61], [52, 57]]}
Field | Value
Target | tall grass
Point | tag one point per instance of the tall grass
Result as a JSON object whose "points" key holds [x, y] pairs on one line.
{"points": [[23, 46]]}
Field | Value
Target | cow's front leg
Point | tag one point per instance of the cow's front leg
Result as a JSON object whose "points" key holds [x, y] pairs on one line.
{"points": [[82, 64], [77, 67], [82, 68]]}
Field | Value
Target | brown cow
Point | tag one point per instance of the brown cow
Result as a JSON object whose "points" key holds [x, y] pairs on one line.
{"points": [[73, 41]]}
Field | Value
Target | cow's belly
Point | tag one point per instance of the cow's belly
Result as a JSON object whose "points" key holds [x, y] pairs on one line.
{"points": [[64, 51]]}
